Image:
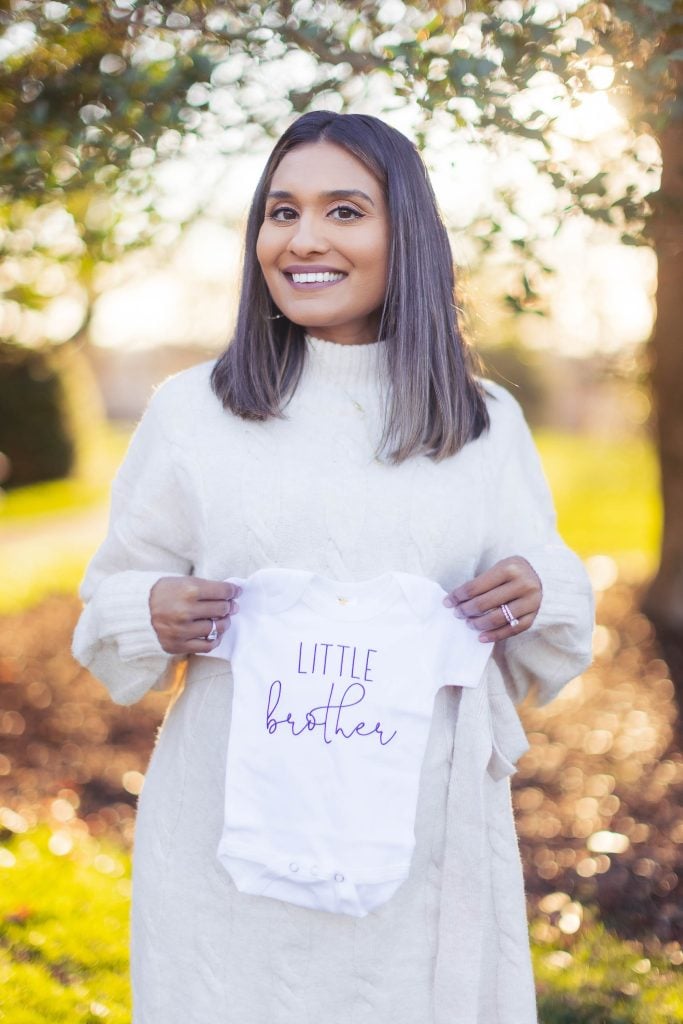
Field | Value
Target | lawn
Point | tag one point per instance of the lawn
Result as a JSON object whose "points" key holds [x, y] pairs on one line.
{"points": [[607, 495], [48, 531], [90, 485], [64, 903], [64, 900]]}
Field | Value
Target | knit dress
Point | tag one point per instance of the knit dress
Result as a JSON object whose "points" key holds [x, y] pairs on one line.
{"points": [[204, 492]]}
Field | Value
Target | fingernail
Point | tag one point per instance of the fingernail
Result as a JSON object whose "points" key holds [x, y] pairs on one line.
{"points": [[470, 624], [458, 612], [448, 602], [484, 638]]}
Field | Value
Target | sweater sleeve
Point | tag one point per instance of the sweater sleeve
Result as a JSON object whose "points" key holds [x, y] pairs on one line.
{"points": [[557, 647], [152, 532]]}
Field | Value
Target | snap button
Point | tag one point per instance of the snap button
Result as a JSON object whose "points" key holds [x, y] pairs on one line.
{"points": [[314, 870], [338, 877], [293, 866]]}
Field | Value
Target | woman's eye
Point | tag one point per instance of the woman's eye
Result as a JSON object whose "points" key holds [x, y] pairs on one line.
{"points": [[283, 213], [345, 213]]}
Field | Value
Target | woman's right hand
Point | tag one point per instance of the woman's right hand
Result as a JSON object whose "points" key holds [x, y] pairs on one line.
{"points": [[182, 609]]}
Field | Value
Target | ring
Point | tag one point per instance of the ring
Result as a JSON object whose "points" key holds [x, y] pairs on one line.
{"points": [[509, 617], [213, 632]]}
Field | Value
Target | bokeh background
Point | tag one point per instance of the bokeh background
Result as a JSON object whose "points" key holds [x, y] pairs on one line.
{"points": [[132, 136]]}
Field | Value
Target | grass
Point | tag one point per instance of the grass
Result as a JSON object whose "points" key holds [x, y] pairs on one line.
{"points": [[48, 531], [89, 486], [64, 903], [606, 493], [604, 980], [63, 930]]}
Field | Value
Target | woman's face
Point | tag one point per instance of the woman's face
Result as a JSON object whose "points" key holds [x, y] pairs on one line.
{"points": [[324, 243]]}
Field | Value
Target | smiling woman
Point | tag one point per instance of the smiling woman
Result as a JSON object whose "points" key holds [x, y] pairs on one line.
{"points": [[348, 521], [350, 195], [324, 250]]}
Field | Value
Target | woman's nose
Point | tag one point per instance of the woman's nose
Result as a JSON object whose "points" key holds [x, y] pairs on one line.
{"points": [[308, 236]]}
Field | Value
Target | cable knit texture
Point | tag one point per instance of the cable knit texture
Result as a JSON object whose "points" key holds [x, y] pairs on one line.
{"points": [[202, 491]]}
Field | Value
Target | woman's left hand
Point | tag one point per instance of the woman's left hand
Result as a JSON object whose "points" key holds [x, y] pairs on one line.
{"points": [[511, 582]]}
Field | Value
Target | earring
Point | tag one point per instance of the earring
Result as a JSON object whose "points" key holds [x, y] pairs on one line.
{"points": [[278, 316]]}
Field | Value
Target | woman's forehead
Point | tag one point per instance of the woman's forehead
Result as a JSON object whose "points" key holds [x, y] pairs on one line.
{"points": [[323, 166]]}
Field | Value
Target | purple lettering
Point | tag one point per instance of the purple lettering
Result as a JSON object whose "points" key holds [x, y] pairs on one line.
{"points": [[275, 691], [319, 717], [327, 647], [344, 647], [300, 670], [366, 677]]}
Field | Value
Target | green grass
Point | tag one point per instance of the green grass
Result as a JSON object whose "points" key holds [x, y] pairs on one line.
{"points": [[25, 582], [54, 497], [600, 979], [64, 947], [88, 486], [63, 931], [606, 493], [46, 530]]}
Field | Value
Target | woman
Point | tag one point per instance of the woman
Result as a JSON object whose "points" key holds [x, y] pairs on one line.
{"points": [[312, 445]]}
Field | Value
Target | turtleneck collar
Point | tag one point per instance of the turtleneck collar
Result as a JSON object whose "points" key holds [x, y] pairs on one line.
{"points": [[348, 365]]}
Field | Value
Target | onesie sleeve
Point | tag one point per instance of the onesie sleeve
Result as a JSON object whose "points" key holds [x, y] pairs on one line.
{"points": [[522, 522], [460, 657], [152, 529]]}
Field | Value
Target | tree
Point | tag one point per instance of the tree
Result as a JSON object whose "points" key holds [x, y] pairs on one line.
{"points": [[664, 601], [95, 93]]}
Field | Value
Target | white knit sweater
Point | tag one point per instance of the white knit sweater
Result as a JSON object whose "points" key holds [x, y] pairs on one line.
{"points": [[204, 492]]}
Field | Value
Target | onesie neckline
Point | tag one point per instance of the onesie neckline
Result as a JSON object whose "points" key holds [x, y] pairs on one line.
{"points": [[351, 601], [276, 589]]}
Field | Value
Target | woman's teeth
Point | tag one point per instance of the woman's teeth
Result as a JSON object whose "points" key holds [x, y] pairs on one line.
{"points": [[316, 278]]}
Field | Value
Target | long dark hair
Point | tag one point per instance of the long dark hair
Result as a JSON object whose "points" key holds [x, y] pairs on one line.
{"points": [[435, 405]]}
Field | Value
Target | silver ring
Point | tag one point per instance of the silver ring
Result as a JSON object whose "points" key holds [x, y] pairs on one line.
{"points": [[213, 632], [509, 617]]}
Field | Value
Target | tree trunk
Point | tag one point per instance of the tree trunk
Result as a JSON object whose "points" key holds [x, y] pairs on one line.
{"points": [[664, 601]]}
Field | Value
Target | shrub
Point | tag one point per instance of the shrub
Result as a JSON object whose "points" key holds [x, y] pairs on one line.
{"points": [[36, 435]]}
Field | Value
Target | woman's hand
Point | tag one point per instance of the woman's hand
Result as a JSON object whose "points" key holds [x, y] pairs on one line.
{"points": [[511, 582], [183, 610]]}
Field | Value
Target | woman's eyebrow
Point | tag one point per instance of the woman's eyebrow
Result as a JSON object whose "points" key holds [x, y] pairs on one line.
{"points": [[336, 193]]}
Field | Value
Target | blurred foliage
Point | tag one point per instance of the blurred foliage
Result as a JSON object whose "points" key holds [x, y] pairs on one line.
{"points": [[36, 436], [94, 93], [52, 420], [88, 486]]}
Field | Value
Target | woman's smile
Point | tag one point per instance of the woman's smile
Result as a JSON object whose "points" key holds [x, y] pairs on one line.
{"points": [[312, 277], [324, 243]]}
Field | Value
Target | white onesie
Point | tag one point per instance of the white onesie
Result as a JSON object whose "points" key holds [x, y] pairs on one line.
{"points": [[333, 697]]}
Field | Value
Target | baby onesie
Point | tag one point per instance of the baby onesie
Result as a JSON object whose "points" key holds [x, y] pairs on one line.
{"points": [[333, 696]]}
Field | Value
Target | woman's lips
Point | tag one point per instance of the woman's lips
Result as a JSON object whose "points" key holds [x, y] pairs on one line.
{"points": [[313, 279]]}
